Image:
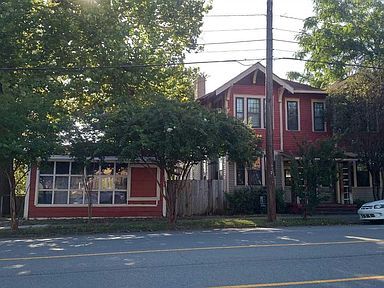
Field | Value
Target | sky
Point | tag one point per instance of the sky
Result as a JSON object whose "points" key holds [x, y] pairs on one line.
{"points": [[219, 73]]}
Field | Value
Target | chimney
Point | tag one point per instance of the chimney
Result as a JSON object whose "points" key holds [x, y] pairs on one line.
{"points": [[200, 86]]}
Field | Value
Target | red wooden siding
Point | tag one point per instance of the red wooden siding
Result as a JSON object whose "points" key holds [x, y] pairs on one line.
{"points": [[148, 190], [143, 183], [306, 133]]}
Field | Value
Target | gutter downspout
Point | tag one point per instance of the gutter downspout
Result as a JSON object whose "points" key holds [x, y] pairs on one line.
{"points": [[280, 99]]}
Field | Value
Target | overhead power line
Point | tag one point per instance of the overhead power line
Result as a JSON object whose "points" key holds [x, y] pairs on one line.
{"points": [[252, 15], [331, 63], [123, 66], [290, 17], [236, 15], [232, 42], [246, 41], [245, 50], [144, 65], [249, 29]]}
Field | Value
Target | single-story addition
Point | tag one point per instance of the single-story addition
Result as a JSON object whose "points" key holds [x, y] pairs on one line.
{"points": [[56, 189]]}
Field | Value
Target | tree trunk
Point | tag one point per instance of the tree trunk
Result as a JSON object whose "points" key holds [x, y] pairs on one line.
{"points": [[171, 204], [8, 172], [376, 184], [382, 184], [4, 189]]}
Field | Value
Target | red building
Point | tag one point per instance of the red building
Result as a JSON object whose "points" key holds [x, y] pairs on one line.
{"points": [[298, 115], [56, 189]]}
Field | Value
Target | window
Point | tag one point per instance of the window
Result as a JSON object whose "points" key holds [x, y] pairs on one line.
{"points": [[254, 173], [240, 174], [240, 108], [254, 112], [293, 115], [251, 110], [318, 117], [287, 164], [362, 175], [249, 175], [62, 182]]}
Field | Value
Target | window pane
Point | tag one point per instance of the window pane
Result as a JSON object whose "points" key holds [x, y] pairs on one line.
{"points": [[76, 182], [362, 175], [44, 197], [120, 197], [46, 168], [76, 197], [93, 183], [287, 177], [106, 183], [61, 197], [45, 182], [61, 182], [62, 167], [93, 195], [254, 177], [121, 169], [240, 108], [107, 168], [92, 168], [240, 174], [318, 116], [121, 183], [254, 112], [292, 115], [77, 168], [106, 197]]}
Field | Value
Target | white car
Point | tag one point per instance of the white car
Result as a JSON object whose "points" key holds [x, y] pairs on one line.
{"points": [[372, 211]]}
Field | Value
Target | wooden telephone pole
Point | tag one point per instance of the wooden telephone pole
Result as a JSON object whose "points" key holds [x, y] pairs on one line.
{"points": [[270, 177]]}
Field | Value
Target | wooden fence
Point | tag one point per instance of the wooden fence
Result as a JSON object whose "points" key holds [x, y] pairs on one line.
{"points": [[201, 197]]}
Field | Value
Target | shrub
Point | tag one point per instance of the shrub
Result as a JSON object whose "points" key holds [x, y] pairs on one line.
{"points": [[280, 204], [246, 200], [359, 203]]}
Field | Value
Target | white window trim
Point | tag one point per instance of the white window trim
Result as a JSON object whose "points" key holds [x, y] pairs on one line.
{"points": [[246, 97], [298, 113], [52, 205], [313, 115]]}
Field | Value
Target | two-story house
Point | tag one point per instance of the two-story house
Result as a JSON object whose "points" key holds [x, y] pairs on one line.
{"points": [[298, 115]]}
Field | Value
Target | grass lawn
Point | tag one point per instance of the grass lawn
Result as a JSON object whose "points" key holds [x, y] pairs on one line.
{"points": [[59, 227]]}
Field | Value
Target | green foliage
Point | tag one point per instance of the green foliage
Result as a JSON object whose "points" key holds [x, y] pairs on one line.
{"points": [[342, 33], [280, 203], [358, 120], [315, 167], [176, 135], [246, 200], [359, 203], [65, 63]]}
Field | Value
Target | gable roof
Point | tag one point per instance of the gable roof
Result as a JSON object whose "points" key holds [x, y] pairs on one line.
{"points": [[291, 86]]}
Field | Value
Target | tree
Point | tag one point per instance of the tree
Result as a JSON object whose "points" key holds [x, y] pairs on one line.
{"points": [[343, 44], [314, 168], [175, 136], [63, 60], [358, 119], [342, 36]]}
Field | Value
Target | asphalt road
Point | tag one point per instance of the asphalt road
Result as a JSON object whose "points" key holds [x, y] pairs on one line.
{"points": [[337, 256]]}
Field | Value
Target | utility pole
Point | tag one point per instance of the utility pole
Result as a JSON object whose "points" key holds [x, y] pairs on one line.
{"points": [[270, 177]]}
